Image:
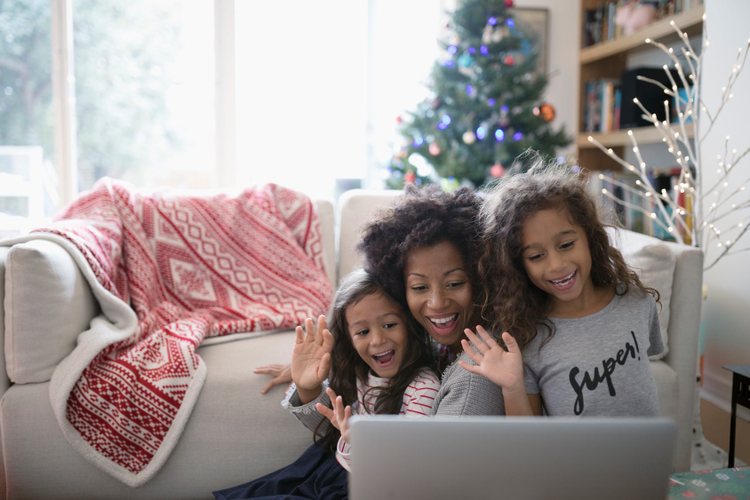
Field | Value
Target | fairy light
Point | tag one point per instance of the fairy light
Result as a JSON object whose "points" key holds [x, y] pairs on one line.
{"points": [[709, 200]]}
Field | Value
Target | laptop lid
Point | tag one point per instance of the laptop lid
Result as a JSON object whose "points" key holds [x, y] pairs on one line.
{"points": [[515, 458]]}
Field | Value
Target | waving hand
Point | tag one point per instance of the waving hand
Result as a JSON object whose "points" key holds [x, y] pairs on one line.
{"points": [[504, 368], [311, 357]]}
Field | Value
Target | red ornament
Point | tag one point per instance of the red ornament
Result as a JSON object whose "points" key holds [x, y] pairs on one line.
{"points": [[497, 170], [548, 112], [509, 3], [398, 119], [410, 177], [509, 60], [434, 149]]}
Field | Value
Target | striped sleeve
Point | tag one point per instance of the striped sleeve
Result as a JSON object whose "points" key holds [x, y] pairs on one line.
{"points": [[344, 454], [419, 396]]}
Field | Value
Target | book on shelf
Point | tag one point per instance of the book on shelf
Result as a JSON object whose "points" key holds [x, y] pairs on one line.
{"points": [[632, 209], [599, 23], [603, 105]]}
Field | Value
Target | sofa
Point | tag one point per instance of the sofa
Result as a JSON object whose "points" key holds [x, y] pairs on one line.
{"points": [[234, 433]]}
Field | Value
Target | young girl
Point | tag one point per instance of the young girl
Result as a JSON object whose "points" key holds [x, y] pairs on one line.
{"points": [[584, 320], [378, 363]]}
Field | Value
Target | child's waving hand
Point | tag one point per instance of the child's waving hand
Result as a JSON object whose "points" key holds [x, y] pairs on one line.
{"points": [[504, 368], [339, 416], [311, 358]]}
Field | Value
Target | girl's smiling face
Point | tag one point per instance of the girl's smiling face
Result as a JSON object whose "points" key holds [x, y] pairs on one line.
{"points": [[377, 326], [439, 293], [557, 259]]}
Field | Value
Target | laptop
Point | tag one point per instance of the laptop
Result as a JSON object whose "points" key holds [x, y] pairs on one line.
{"points": [[511, 458]]}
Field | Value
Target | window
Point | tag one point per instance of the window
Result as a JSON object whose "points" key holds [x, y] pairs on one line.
{"points": [[132, 93], [144, 75]]}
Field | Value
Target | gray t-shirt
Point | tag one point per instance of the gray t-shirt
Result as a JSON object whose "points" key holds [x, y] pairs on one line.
{"points": [[598, 365]]}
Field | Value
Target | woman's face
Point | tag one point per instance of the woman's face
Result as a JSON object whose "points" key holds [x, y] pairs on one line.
{"points": [[439, 293]]}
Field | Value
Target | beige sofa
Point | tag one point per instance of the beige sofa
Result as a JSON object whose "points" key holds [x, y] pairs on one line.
{"points": [[234, 433]]}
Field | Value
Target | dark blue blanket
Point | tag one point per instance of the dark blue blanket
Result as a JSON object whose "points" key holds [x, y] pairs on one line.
{"points": [[315, 475]]}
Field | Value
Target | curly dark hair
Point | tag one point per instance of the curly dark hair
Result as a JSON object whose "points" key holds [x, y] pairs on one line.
{"points": [[514, 303], [347, 365], [422, 217]]}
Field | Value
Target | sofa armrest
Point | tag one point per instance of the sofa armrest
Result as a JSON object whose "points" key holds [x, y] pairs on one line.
{"points": [[684, 330], [4, 380], [48, 303]]}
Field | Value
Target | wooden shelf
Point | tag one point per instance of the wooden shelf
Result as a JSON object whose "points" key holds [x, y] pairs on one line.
{"points": [[643, 135], [661, 30]]}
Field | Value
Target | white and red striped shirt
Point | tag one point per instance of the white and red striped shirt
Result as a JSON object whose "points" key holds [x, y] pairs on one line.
{"points": [[418, 400]]}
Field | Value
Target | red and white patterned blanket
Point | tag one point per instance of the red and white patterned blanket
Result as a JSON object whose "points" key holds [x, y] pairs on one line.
{"points": [[169, 271]]}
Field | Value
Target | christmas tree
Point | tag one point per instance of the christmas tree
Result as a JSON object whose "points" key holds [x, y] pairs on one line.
{"points": [[486, 107]]}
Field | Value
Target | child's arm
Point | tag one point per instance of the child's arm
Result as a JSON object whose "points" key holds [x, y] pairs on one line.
{"points": [[419, 397], [311, 359], [504, 368], [339, 417]]}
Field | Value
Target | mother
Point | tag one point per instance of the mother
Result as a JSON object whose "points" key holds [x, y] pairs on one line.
{"points": [[424, 252]]}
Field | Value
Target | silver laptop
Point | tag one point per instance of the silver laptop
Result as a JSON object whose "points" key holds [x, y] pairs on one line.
{"points": [[514, 458]]}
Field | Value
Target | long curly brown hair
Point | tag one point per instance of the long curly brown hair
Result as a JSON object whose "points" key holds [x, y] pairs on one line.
{"points": [[347, 365], [514, 303], [422, 217]]}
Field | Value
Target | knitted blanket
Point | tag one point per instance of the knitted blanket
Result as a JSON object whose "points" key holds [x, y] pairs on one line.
{"points": [[170, 271]]}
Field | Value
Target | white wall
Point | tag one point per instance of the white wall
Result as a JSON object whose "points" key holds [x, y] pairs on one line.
{"points": [[728, 305], [564, 25]]}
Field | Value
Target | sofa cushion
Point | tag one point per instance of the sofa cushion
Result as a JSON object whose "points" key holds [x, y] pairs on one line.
{"points": [[667, 389], [356, 208], [47, 304], [654, 262], [234, 434]]}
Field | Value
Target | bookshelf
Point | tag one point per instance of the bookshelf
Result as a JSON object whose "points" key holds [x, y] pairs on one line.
{"points": [[608, 60]]}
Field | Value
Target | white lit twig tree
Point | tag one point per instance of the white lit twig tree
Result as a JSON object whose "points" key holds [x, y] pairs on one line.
{"points": [[702, 220]]}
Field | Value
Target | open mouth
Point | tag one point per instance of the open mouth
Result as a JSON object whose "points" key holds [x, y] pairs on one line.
{"points": [[564, 283], [445, 325], [384, 358]]}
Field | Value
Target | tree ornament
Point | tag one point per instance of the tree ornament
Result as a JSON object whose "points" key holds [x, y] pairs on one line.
{"points": [[410, 177], [465, 60], [399, 119], [536, 111], [547, 111], [434, 149], [469, 137], [504, 121], [497, 170], [509, 60], [492, 34], [509, 3]]}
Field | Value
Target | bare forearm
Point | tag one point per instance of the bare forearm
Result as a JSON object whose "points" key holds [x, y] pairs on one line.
{"points": [[307, 395], [517, 403]]}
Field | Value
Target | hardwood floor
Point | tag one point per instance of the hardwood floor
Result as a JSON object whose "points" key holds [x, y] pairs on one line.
{"points": [[716, 429]]}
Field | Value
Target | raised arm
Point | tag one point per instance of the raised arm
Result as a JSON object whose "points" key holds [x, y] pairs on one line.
{"points": [[503, 368], [311, 359]]}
